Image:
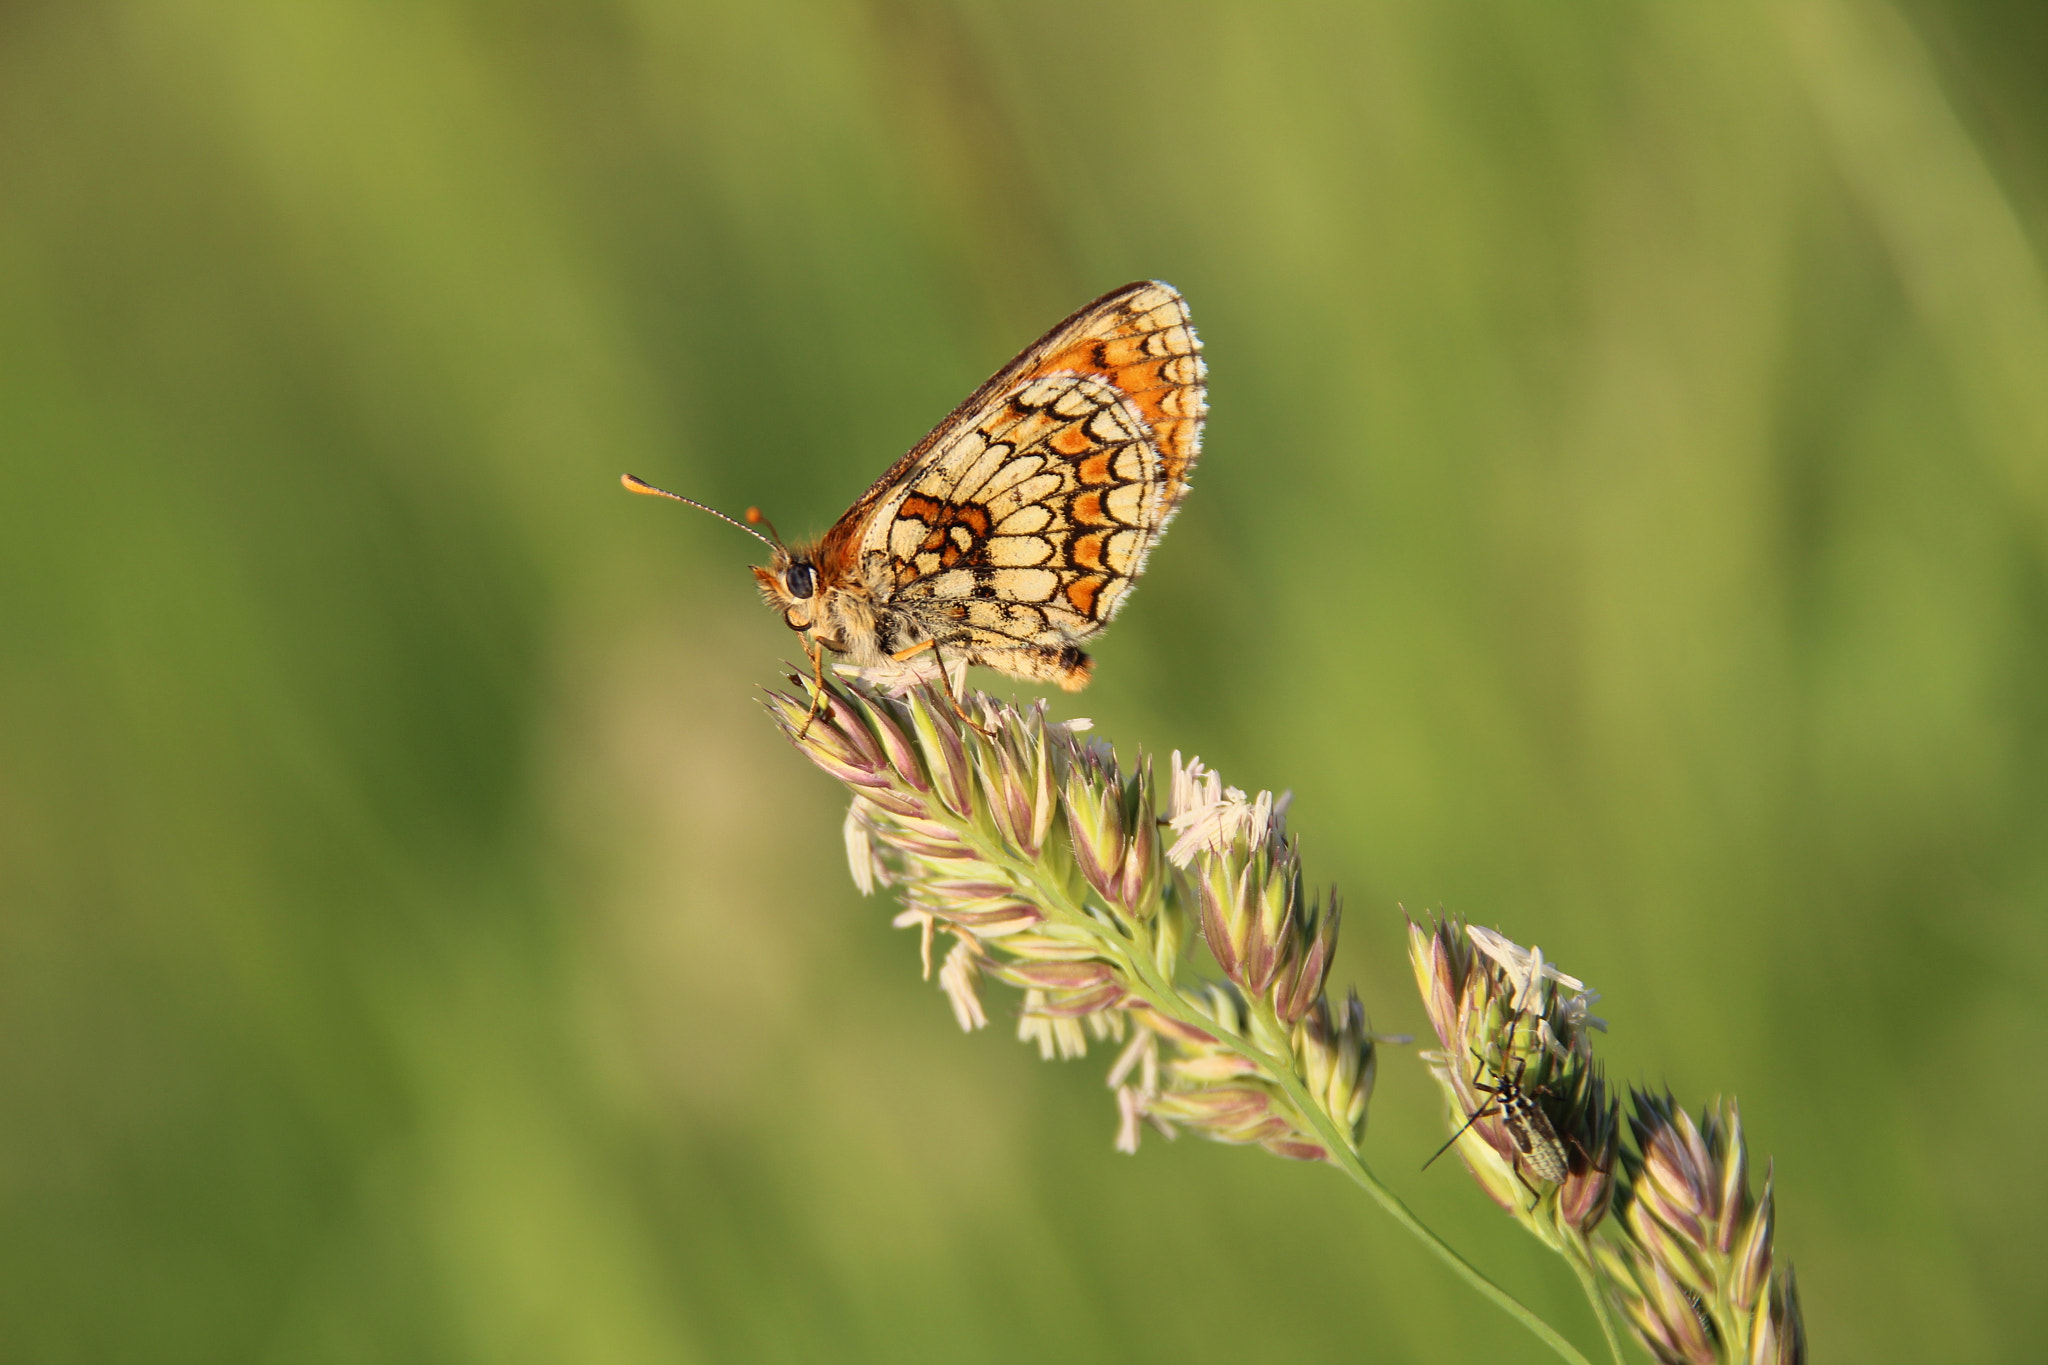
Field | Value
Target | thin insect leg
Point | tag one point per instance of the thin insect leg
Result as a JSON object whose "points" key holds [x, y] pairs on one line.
{"points": [[1484, 1110], [945, 678], [1490, 1107], [946, 681], [1535, 1195], [817, 688]]}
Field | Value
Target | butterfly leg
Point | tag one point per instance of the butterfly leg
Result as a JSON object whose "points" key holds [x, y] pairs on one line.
{"points": [[945, 679], [946, 682], [817, 687]]}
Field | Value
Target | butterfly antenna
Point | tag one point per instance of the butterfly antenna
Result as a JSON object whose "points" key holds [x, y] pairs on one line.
{"points": [[639, 485], [755, 517]]}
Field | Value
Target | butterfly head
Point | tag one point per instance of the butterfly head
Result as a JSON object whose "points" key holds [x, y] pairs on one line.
{"points": [[791, 585]]}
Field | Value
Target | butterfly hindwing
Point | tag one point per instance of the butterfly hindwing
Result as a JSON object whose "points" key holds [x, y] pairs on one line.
{"points": [[1014, 531]]}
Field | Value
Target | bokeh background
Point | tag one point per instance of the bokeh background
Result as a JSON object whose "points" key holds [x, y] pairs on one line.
{"points": [[1623, 521]]}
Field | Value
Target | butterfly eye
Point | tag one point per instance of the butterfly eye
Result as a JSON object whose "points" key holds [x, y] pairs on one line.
{"points": [[799, 579]]}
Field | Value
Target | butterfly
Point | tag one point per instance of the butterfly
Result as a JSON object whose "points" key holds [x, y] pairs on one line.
{"points": [[1012, 533]]}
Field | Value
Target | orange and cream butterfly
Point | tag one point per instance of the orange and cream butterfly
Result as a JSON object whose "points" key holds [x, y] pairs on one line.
{"points": [[1012, 533]]}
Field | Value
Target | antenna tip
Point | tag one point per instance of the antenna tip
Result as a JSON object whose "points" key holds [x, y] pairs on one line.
{"points": [[635, 484], [754, 517]]}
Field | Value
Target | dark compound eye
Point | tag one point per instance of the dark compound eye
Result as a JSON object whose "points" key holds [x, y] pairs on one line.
{"points": [[799, 579]]}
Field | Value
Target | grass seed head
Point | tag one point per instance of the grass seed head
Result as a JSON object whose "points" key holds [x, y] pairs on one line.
{"points": [[1049, 866]]}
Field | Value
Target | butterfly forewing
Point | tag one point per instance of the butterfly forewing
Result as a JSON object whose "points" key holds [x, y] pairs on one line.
{"points": [[1014, 531]]}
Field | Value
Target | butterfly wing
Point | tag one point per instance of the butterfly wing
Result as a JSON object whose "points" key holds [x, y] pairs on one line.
{"points": [[1015, 530]]}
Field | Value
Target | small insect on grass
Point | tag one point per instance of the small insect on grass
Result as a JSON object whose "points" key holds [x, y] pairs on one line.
{"points": [[1537, 1146]]}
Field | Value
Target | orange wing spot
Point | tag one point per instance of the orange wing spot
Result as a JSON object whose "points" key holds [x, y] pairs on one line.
{"points": [[942, 517], [1148, 403], [1087, 509], [1072, 441], [1081, 592], [1080, 356], [1140, 379], [1095, 469], [1177, 443], [1118, 352], [1088, 549]]}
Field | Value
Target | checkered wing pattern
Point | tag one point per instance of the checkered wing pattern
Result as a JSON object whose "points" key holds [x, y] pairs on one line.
{"points": [[1015, 530]]}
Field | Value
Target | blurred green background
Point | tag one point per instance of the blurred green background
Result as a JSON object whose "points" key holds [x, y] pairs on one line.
{"points": [[1623, 521]]}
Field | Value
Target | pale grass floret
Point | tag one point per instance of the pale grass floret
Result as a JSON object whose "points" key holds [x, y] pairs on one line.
{"points": [[1208, 816], [1525, 967], [958, 979], [867, 867], [1526, 974]]}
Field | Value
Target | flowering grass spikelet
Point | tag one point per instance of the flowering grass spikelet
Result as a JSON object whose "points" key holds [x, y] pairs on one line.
{"points": [[1686, 1255], [1023, 840], [1696, 1276]]}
